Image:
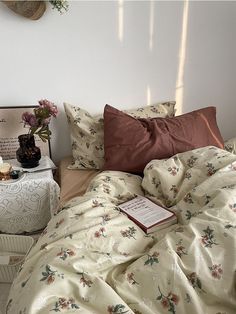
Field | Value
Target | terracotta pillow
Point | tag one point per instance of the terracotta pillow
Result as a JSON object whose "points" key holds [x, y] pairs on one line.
{"points": [[131, 143], [87, 132]]}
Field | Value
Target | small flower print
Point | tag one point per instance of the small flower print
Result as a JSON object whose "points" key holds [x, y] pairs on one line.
{"points": [[77, 120], [129, 233], [208, 198], [229, 186], [173, 170], [188, 198], [188, 175], [100, 232], [64, 253], [99, 147], [92, 164], [81, 134], [187, 298], [191, 161], [195, 281], [175, 190], [155, 182], [152, 259], [97, 204], [117, 309], [59, 223], [64, 304], [150, 167], [53, 235], [85, 282], [189, 214], [107, 179], [24, 282], [49, 275], [233, 207], [130, 278], [92, 131], [105, 219], [180, 249], [210, 169], [208, 238], [106, 189], [228, 226], [216, 271], [168, 302]]}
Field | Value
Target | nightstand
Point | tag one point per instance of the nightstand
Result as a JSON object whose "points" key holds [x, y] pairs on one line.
{"points": [[27, 203]]}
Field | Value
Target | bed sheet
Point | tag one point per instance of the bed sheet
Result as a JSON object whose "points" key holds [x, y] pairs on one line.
{"points": [[92, 259], [73, 182]]}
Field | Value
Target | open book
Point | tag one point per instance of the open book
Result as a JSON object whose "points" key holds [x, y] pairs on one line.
{"points": [[148, 215]]}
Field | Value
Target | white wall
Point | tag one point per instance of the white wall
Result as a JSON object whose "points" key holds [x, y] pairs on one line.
{"points": [[122, 53]]}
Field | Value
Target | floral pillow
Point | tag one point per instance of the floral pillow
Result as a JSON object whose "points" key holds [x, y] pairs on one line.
{"points": [[87, 132], [230, 145]]}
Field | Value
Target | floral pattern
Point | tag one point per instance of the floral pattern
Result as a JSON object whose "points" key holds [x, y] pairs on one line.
{"points": [[64, 253], [152, 259], [128, 233], [116, 309], [64, 304], [169, 301], [195, 281], [216, 271], [208, 239], [131, 279], [48, 275], [91, 250]]}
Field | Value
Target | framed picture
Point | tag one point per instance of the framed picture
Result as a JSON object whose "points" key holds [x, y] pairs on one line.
{"points": [[11, 126]]}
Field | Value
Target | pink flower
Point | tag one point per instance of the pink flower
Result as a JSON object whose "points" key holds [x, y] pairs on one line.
{"points": [[165, 302], [29, 119], [44, 103], [97, 234], [174, 298], [46, 121], [39, 120], [214, 274]]}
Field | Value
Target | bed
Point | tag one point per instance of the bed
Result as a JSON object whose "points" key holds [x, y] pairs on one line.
{"points": [[92, 259]]}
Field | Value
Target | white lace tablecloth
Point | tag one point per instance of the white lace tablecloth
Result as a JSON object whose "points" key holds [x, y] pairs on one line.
{"points": [[27, 203]]}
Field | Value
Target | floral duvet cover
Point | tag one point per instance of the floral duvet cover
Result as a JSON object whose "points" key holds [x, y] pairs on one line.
{"points": [[92, 259]]}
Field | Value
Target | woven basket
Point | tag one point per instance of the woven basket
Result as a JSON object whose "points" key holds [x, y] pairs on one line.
{"points": [[17, 245], [30, 9]]}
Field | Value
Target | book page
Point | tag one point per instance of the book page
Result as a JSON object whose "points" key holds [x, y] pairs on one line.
{"points": [[145, 211]]}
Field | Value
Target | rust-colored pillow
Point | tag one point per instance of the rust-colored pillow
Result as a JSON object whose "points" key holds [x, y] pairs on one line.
{"points": [[131, 143]]}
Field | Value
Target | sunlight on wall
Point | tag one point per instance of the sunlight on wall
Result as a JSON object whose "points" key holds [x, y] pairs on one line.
{"points": [[148, 96], [151, 25], [121, 20], [182, 55]]}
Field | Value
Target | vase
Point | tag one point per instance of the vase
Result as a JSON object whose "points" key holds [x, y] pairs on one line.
{"points": [[28, 154]]}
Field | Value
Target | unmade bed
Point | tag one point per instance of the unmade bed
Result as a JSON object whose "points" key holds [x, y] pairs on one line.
{"points": [[91, 258]]}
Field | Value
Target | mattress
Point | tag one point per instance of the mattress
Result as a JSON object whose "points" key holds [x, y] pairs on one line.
{"points": [[73, 182]]}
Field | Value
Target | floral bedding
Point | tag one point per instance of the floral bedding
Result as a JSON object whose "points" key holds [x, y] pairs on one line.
{"points": [[92, 259]]}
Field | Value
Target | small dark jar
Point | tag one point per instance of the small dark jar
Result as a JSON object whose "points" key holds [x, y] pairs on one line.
{"points": [[28, 154]]}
